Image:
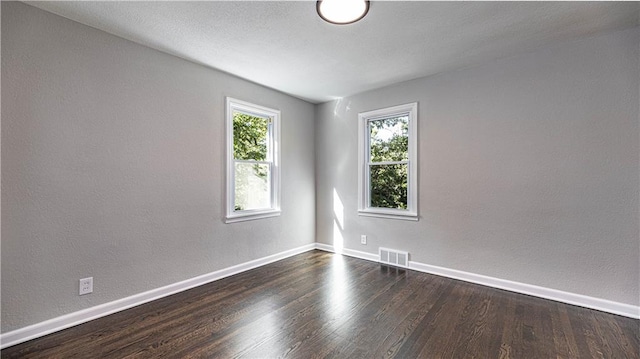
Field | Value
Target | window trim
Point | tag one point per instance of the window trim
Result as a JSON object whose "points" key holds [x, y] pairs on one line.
{"points": [[231, 215], [364, 189]]}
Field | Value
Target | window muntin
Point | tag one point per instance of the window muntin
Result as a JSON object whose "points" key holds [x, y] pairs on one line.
{"points": [[252, 163], [388, 168]]}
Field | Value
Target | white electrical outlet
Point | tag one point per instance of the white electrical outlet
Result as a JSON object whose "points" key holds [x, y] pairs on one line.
{"points": [[363, 239], [86, 285]]}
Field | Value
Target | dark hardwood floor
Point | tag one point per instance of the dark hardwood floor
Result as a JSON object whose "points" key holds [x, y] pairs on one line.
{"points": [[321, 305]]}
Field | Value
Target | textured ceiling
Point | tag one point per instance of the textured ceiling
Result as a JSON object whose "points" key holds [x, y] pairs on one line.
{"points": [[286, 46]]}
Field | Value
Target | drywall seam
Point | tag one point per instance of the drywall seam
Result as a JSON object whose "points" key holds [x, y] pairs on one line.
{"points": [[604, 305], [66, 321]]}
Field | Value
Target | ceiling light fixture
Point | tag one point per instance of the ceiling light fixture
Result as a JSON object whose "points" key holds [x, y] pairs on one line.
{"points": [[342, 12]]}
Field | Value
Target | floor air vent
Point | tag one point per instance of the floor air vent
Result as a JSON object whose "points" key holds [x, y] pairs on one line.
{"points": [[394, 257]]}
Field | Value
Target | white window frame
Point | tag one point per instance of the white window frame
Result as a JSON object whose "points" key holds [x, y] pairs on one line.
{"points": [[274, 160], [364, 190]]}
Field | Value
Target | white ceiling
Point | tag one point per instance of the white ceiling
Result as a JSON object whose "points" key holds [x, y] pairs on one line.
{"points": [[286, 46]]}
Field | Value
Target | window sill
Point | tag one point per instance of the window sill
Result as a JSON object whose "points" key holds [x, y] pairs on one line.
{"points": [[405, 216], [251, 216]]}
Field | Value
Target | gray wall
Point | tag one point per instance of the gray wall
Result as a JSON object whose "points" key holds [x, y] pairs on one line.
{"points": [[528, 169], [113, 167]]}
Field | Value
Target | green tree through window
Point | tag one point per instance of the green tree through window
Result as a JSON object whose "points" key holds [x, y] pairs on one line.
{"points": [[249, 137], [253, 161], [388, 162], [251, 153]]}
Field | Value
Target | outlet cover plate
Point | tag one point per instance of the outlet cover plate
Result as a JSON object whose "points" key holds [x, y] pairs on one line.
{"points": [[86, 286]]}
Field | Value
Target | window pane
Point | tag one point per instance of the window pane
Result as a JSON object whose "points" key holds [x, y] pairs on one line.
{"points": [[250, 135], [389, 186], [252, 187], [389, 139]]}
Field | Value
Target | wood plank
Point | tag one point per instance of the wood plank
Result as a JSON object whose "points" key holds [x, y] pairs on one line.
{"points": [[322, 305]]}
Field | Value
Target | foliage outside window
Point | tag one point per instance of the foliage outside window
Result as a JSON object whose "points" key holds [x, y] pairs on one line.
{"points": [[388, 166], [252, 166]]}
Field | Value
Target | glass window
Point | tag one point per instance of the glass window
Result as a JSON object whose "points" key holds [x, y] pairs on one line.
{"points": [[253, 171], [388, 169]]}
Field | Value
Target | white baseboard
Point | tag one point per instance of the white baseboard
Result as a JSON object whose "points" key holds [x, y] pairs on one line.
{"points": [[348, 252], [604, 305], [66, 321]]}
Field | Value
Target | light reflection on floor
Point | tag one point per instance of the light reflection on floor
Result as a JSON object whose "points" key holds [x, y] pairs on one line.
{"points": [[260, 331], [339, 295]]}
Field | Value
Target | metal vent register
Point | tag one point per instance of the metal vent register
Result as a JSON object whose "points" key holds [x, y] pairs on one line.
{"points": [[394, 257]]}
